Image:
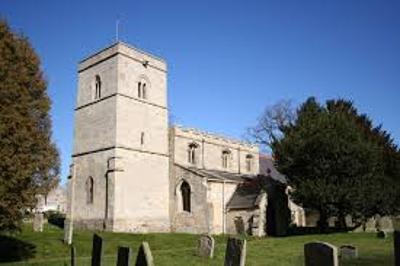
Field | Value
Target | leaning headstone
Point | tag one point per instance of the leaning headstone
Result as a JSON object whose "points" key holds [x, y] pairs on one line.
{"points": [[38, 222], [396, 241], [144, 257], [73, 256], [348, 252], [381, 234], [235, 254], [320, 253], [123, 256], [206, 246], [97, 250]]}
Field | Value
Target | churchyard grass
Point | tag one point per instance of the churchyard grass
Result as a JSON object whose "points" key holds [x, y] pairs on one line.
{"points": [[180, 249]]}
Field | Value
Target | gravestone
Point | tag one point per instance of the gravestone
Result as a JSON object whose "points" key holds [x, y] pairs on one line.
{"points": [[206, 246], [348, 252], [235, 254], [320, 253], [68, 225], [381, 234], [73, 256], [97, 250], [144, 257], [38, 222], [396, 242], [123, 256]]}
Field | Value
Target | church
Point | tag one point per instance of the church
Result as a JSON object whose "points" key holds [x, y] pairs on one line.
{"points": [[134, 172]]}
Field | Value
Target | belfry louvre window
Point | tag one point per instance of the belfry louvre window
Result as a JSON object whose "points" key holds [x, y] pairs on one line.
{"points": [[192, 156], [139, 90], [225, 159], [185, 191], [249, 162], [142, 93], [144, 96], [97, 93], [89, 190]]}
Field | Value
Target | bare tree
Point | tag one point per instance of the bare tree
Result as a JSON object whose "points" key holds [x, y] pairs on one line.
{"points": [[270, 124]]}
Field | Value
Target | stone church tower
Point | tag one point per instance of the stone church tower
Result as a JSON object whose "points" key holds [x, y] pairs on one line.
{"points": [[120, 154]]}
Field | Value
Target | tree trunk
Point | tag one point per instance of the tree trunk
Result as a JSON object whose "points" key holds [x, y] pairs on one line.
{"points": [[342, 221], [322, 222]]}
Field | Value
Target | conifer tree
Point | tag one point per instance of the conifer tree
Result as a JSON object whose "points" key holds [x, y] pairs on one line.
{"points": [[29, 161], [338, 163]]}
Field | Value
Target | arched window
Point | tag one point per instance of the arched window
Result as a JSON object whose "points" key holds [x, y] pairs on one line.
{"points": [[142, 90], [89, 190], [249, 162], [139, 90], [97, 92], [192, 157], [225, 158], [185, 192], [142, 138]]}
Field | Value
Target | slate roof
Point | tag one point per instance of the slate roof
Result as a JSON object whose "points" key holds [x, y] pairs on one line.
{"points": [[220, 175], [267, 168], [246, 196]]}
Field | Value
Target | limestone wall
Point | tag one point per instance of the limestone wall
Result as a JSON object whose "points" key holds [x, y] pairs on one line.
{"points": [[135, 118], [108, 73], [121, 140], [241, 221], [95, 127], [210, 148], [142, 190], [131, 71], [91, 215], [198, 219], [218, 196]]}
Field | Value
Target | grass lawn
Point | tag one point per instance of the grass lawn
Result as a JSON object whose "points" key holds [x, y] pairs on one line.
{"points": [[47, 248]]}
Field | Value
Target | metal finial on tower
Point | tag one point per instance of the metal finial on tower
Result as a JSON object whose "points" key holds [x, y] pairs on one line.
{"points": [[116, 30]]}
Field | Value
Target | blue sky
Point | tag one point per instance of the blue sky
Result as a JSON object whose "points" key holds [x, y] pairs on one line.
{"points": [[227, 59]]}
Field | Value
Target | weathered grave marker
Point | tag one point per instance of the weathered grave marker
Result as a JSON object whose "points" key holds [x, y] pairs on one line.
{"points": [[97, 250], [320, 253], [67, 232], [348, 252], [38, 222], [73, 255], [206, 246], [144, 257], [123, 256], [235, 254], [396, 241]]}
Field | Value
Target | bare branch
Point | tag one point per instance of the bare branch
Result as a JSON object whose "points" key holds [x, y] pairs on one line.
{"points": [[271, 123]]}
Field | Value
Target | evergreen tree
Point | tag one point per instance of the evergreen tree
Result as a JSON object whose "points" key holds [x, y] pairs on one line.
{"points": [[336, 162], [29, 161]]}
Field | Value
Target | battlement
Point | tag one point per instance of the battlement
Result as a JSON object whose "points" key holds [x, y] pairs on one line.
{"points": [[121, 48], [215, 136]]}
